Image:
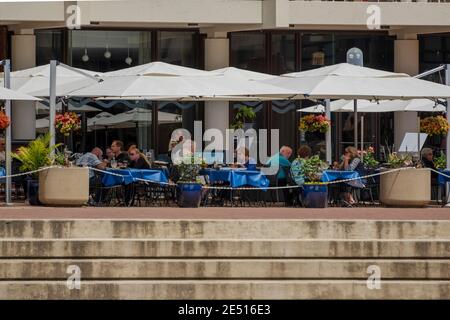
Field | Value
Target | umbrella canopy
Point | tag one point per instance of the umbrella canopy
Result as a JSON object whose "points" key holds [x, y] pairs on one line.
{"points": [[96, 121], [36, 81], [42, 125], [84, 108], [211, 87], [8, 94], [423, 105], [243, 74], [130, 118], [346, 81], [157, 68]]}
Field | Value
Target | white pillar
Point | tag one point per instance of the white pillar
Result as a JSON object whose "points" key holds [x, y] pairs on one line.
{"points": [[23, 113], [406, 60], [216, 57]]}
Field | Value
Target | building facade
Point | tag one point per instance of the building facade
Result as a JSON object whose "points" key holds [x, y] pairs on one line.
{"points": [[271, 36]]}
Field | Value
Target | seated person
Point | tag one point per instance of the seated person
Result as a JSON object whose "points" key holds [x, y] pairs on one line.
{"points": [[281, 159], [137, 159], [352, 162], [93, 160], [427, 162], [243, 159], [304, 152], [118, 154]]}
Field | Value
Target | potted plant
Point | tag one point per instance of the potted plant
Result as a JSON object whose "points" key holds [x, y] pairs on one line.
{"points": [[440, 162], [67, 122], [243, 118], [36, 155], [315, 193], [369, 160], [434, 125], [59, 185], [314, 123], [189, 187], [408, 187]]}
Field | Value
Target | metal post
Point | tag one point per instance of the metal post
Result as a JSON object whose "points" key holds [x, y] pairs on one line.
{"points": [[362, 138], [328, 134], [7, 84], [52, 97], [447, 153], [355, 122]]}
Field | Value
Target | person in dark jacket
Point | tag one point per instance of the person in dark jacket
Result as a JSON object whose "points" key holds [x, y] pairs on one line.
{"points": [[137, 159]]}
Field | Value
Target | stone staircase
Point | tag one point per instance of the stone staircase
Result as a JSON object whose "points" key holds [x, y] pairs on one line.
{"points": [[224, 259]]}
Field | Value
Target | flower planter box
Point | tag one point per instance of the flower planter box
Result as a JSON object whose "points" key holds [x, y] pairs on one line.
{"points": [[66, 186], [190, 195], [315, 195], [406, 188]]}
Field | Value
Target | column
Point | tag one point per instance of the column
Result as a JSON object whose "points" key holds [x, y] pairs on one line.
{"points": [[406, 60], [216, 57], [23, 113]]}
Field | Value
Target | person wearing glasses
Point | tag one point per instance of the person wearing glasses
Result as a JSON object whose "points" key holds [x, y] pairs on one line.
{"points": [[137, 159]]}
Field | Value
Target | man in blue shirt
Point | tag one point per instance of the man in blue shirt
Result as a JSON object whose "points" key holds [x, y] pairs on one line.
{"points": [[281, 159], [93, 160]]}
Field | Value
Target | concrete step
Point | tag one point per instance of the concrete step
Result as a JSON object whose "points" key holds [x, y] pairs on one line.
{"points": [[110, 269], [248, 248], [226, 289], [225, 229]]}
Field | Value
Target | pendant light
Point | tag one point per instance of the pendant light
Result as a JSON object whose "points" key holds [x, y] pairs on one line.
{"points": [[107, 53], [85, 57], [128, 59]]}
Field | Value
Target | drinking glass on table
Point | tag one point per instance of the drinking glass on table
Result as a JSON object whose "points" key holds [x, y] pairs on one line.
{"points": [[113, 163]]}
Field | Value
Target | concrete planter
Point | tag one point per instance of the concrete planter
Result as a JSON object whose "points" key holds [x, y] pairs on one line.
{"points": [[406, 188], [66, 186]]}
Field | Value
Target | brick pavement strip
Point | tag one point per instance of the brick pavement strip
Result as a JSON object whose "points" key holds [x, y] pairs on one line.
{"points": [[379, 213]]}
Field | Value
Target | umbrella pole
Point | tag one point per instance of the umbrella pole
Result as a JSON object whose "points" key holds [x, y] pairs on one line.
{"points": [[355, 122], [106, 137], [52, 110], [7, 83], [362, 138], [328, 134]]}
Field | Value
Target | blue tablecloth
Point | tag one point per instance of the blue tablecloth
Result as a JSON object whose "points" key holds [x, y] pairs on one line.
{"points": [[130, 175], [443, 180], [237, 178], [331, 175], [2, 172]]}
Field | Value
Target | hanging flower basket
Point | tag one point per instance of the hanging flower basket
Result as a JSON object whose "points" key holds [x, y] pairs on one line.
{"points": [[67, 122], [314, 123], [4, 120], [434, 126]]}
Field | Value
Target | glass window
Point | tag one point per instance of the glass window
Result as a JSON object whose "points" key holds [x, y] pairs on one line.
{"points": [[283, 53], [178, 48], [108, 50], [317, 50], [49, 46], [284, 119], [248, 51]]}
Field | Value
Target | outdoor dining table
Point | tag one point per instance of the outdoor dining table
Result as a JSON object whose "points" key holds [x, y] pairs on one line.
{"points": [[237, 177], [332, 175], [129, 175]]}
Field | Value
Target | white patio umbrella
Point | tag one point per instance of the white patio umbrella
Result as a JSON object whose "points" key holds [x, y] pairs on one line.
{"points": [[212, 87], [243, 74], [347, 81], [8, 94], [36, 81], [40, 107], [134, 117], [351, 82], [96, 121], [421, 105], [157, 68]]}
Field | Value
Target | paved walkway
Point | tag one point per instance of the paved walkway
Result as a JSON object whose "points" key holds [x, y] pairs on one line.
{"points": [[28, 212]]}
